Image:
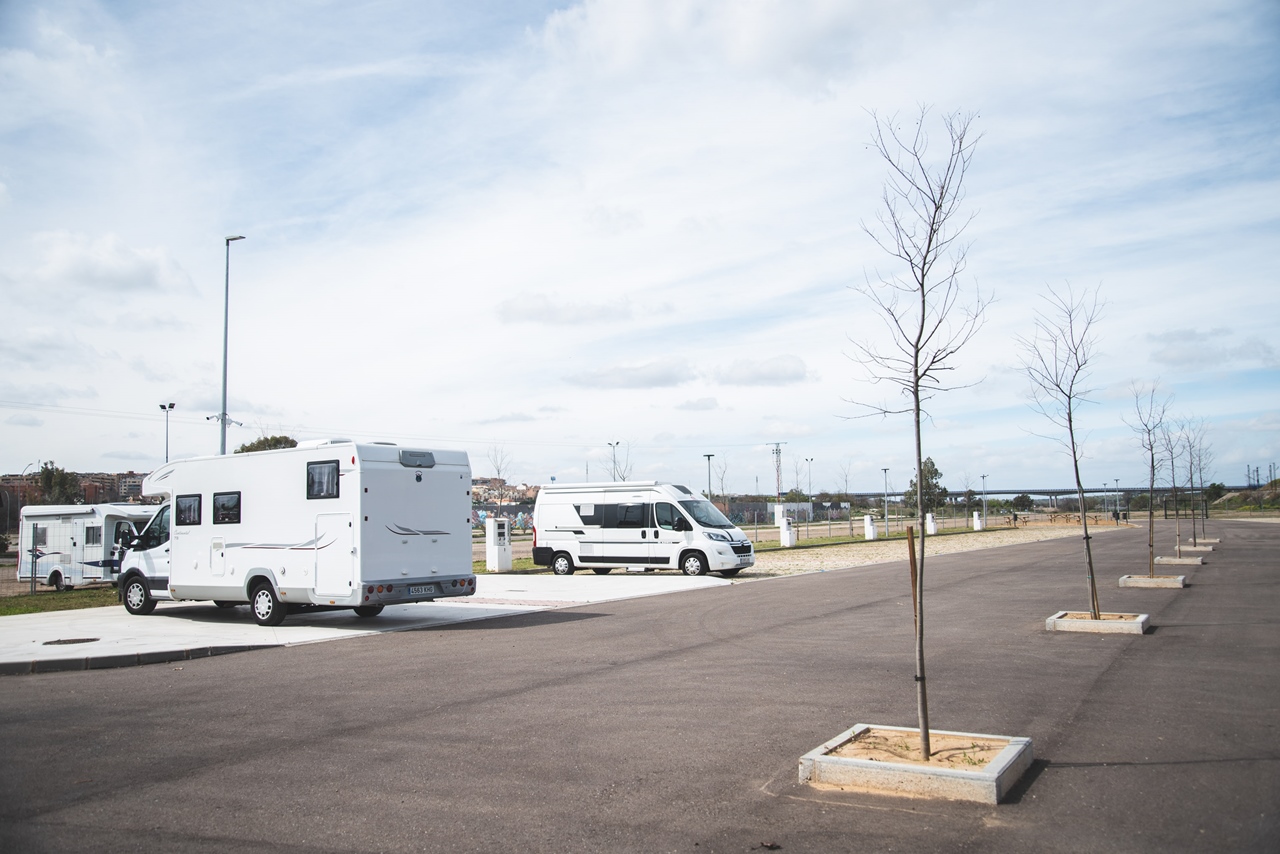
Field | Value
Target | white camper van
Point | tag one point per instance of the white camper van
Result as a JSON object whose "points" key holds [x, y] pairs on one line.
{"points": [[76, 544], [637, 525], [330, 524]]}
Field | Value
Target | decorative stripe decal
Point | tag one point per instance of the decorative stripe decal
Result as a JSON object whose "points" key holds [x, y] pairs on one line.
{"points": [[405, 531]]}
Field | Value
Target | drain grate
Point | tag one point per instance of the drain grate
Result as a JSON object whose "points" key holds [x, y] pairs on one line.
{"points": [[64, 641]]}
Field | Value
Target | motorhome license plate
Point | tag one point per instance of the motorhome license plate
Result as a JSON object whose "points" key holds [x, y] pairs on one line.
{"points": [[422, 589], [744, 560]]}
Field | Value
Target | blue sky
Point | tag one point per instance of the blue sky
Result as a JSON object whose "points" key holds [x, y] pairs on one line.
{"points": [[546, 227]]}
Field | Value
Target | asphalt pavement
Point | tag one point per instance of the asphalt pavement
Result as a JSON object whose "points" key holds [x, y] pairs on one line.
{"points": [[675, 722]]}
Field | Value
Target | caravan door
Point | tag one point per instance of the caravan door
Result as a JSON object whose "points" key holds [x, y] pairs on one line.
{"points": [[335, 555]]}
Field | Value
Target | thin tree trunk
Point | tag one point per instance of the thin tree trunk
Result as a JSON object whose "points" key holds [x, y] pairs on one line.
{"points": [[1151, 517], [1094, 610], [922, 696]]}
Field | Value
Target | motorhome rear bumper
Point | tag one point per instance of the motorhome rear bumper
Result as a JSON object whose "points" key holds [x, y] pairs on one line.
{"points": [[402, 591]]}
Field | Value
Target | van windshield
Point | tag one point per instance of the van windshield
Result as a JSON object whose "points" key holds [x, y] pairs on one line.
{"points": [[706, 514]]}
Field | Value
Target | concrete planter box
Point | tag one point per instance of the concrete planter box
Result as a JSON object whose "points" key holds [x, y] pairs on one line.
{"points": [[1153, 581], [1197, 548], [1180, 561], [1132, 624], [987, 785], [1206, 539]]}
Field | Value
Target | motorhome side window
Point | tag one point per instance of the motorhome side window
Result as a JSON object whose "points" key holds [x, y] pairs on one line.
{"points": [[41, 536], [93, 535], [186, 510], [322, 479], [157, 533], [588, 513], [226, 508], [633, 516]]}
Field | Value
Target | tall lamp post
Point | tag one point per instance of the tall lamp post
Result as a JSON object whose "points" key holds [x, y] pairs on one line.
{"points": [[809, 519], [984, 502], [709, 495], [1117, 480], [886, 503], [613, 459], [226, 314], [166, 408]]}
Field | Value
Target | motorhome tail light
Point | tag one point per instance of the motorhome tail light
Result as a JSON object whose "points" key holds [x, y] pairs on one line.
{"points": [[390, 587], [370, 588]]}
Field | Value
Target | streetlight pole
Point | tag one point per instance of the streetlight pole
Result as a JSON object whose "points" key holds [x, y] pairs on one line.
{"points": [[613, 460], [809, 517], [226, 315], [984, 502], [709, 495], [166, 408], [886, 503]]}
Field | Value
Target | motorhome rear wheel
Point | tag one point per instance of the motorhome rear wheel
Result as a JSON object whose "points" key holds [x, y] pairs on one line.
{"points": [[368, 610], [268, 610], [562, 564]]}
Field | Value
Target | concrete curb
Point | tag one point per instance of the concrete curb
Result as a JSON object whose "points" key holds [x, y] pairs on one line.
{"points": [[1059, 622], [1180, 561], [129, 659], [987, 785], [1161, 581]]}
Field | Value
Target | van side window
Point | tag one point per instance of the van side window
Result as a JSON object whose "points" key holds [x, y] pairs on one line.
{"points": [[93, 535], [157, 533], [667, 515], [226, 508], [322, 479], [186, 510], [633, 515]]}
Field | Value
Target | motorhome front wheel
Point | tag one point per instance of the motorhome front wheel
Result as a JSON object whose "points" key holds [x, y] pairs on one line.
{"points": [[694, 564], [136, 598]]}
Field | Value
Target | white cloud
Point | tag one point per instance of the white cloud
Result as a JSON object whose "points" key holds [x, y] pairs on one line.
{"points": [[664, 373], [1214, 349], [104, 263], [24, 420], [778, 370], [702, 404], [557, 311]]}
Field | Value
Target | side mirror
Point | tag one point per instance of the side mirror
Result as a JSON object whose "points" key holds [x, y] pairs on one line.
{"points": [[682, 524]]}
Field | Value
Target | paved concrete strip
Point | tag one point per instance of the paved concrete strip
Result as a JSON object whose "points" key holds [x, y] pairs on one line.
{"points": [[93, 638]]}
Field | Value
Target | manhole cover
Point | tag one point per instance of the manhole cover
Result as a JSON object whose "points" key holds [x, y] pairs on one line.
{"points": [[64, 641]]}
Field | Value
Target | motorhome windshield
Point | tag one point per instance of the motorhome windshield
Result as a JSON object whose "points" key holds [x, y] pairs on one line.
{"points": [[706, 514]]}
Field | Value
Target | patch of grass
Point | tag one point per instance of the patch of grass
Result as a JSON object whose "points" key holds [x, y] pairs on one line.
{"points": [[519, 564], [95, 597]]}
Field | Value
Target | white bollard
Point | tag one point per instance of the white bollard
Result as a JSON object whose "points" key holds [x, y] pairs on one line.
{"points": [[930, 524], [868, 528], [786, 534], [977, 521], [497, 546]]}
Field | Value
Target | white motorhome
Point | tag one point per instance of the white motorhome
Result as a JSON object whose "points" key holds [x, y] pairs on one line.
{"points": [[329, 524], [642, 526], [75, 544]]}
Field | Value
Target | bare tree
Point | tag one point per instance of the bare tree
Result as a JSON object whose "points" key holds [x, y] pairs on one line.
{"points": [[622, 464], [929, 311], [1173, 440], [1149, 415], [1057, 361], [721, 469], [501, 462], [1202, 458]]}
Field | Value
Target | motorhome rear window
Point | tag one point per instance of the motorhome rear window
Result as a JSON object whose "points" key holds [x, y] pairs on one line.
{"points": [[186, 510], [322, 479], [226, 508], [93, 535], [41, 535]]}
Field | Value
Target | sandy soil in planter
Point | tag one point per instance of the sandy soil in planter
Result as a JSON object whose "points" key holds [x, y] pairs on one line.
{"points": [[947, 751]]}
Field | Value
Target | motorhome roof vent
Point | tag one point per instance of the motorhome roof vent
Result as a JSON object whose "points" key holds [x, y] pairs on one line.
{"points": [[683, 489], [417, 459]]}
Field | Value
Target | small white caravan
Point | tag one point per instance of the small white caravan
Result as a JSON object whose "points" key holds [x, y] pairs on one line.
{"points": [[641, 526], [329, 524], [75, 544]]}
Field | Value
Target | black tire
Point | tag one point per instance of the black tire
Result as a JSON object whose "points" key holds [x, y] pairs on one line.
{"points": [[730, 573], [368, 610], [562, 564], [693, 563], [602, 570], [226, 604], [267, 608], [136, 596], [57, 582]]}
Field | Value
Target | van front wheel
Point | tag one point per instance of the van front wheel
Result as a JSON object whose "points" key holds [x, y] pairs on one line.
{"points": [[137, 599], [694, 564], [562, 564]]}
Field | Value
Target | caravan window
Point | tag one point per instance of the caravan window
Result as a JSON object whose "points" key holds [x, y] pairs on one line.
{"points": [[226, 508], [93, 535], [322, 479], [41, 535], [186, 510], [588, 513]]}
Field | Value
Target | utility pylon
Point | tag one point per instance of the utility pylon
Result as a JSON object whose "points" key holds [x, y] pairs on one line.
{"points": [[777, 465]]}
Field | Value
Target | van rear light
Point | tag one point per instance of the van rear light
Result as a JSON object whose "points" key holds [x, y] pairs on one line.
{"points": [[370, 588], [535, 536], [390, 588]]}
